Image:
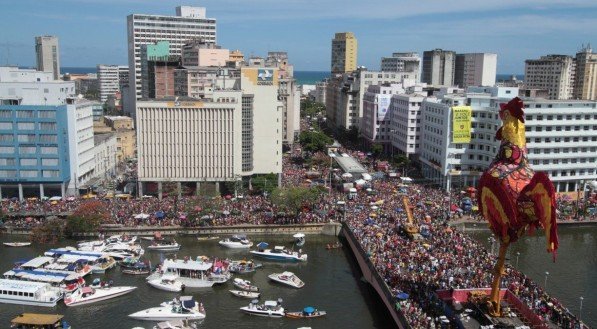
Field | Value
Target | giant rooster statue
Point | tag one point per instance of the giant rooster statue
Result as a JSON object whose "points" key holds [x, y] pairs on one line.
{"points": [[512, 197]]}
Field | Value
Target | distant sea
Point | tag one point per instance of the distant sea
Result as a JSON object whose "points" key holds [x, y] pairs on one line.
{"points": [[302, 77]]}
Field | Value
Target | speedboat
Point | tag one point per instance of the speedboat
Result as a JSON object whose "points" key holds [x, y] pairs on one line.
{"points": [[270, 308], [129, 262], [244, 285], [17, 244], [175, 324], [167, 282], [157, 236], [236, 242], [88, 295], [243, 266], [139, 268], [185, 308], [287, 278], [121, 239], [307, 313], [245, 294], [207, 238], [279, 253], [102, 264], [164, 246], [299, 239]]}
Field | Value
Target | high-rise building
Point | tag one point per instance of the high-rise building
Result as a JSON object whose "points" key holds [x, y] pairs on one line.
{"points": [[111, 77], [438, 67], [375, 125], [585, 83], [555, 73], [344, 52], [201, 53], [48, 55], [402, 63], [190, 23], [157, 70], [476, 69]]}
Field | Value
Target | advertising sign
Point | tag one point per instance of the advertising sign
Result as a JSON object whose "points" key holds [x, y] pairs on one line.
{"points": [[461, 124], [382, 106]]}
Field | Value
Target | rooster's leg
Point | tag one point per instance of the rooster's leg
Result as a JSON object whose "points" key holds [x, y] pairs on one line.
{"points": [[498, 271]]}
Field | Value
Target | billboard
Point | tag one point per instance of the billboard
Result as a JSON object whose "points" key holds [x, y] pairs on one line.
{"points": [[261, 76], [382, 106], [461, 124]]}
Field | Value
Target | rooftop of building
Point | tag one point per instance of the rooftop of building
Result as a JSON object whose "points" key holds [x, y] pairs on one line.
{"points": [[102, 138]]}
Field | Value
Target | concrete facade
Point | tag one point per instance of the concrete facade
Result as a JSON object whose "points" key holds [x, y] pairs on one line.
{"points": [[47, 54], [408, 62], [439, 67], [555, 73], [199, 53], [105, 155], [111, 77], [476, 69], [585, 82], [344, 53], [375, 125]]}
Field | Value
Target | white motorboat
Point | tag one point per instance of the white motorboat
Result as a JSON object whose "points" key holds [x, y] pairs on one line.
{"points": [[103, 264], [299, 239], [270, 308], [194, 273], [164, 246], [236, 242], [17, 244], [29, 293], [97, 245], [121, 251], [245, 294], [65, 281], [279, 253], [243, 266], [287, 278], [175, 324], [244, 285], [168, 282], [185, 308], [121, 239], [88, 295]]}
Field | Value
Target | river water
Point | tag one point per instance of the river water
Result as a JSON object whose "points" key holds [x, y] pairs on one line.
{"points": [[574, 274], [332, 283]]}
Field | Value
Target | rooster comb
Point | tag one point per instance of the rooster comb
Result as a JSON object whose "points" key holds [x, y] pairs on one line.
{"points": [[515, 107]]}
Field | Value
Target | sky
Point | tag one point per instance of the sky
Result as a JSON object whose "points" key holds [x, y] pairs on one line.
{"points": [[93, 32]]}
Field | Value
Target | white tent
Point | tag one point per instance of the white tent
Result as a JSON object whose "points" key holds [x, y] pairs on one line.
{"points": [[141, 216], [347, 175], [360, 182], [366, 176], [55, 198]]}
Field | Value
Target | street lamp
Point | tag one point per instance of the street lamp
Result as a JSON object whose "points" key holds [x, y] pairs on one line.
{"points": [[545, 282], [517, 255], [580, 311]]}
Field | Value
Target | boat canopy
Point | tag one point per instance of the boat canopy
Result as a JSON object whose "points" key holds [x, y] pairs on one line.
{"points": [[61, 251], [40, 275], [37, 319], [24, 286], [38, 262], [279, 248], [187, 265], [308, 310], [239, 236], [262, 245], [270, 303], [299, 235], [188, 303], [169, 277]]}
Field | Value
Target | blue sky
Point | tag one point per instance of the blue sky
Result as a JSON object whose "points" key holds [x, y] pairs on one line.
{"points": [[94, 31]]}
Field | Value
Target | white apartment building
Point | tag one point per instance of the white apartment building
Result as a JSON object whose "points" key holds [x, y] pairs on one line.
{"points": [[47, 54], [476, 69], [189, 23], [111, 77], [81, 144], [402, 62], [344, 94], [375, 125], [439, 67], [104, 154], [405, 121], [555, 73], [33, 87]]}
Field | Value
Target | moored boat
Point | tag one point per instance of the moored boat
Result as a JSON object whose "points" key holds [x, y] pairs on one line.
{"points": [[243, 266], [184, 308], [17, 244], [336, 245], [299, 239], [29, 293], [307, 313], [287, 278], [244, 285], [138, 269], [279, 253], [175, 324], [103, 264], [37, 321], [194, 273], [236, 242], [207, 238], [270, 308], [164, 246], [245, 294], [168, 282], [88, 295], [65, 281]]}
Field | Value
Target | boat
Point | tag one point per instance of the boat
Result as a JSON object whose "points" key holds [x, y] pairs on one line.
{"points": [[157, 236], [129, 262], [103, 264], [244, 285], [245, 294], [17, 244], [279, 253], [125, 238], [194, 273], [167, 282], [70, 259], [39, 321], [123, 250], [299, 239], [65, 281], [97, 283], [183, 308], [29, 293], [207, 238], [307, 313], [243, 266], [97, 245], [68, 265], [88, 295], [164, 246], [336, 245], [287, 278], [175, 324], [236, 242], [270, 308], [139, 269]]}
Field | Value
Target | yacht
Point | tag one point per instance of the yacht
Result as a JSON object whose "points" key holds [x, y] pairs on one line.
{"points": [[65, 281], [287, 278], [279, 253], [29, 293], [88, 295], [121, 251], [193, 273], [103, 264], [185, 308], [51, 264], [244, 285], [245, 294], [236, 242], [164, 246], [167, 282], [270, 308]]}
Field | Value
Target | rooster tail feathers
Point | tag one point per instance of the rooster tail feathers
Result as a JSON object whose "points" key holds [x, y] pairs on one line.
{"points": [[541, 191]]}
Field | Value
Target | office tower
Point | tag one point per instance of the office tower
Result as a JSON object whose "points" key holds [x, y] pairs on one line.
{"points": [[344, 52], [585, 82], [111, 77], [476, 69], [438, 67], [157, 70], [48, 55], [201, 53], [190, 23], [555, 73], [402, 63]]}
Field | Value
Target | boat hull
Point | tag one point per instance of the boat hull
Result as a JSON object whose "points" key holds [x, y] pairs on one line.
{"points": [[286, 283], [164, 314], [171, 288], [17, 244], [101, 298], [29, 302], [301, 315], [277, 258], [235, 245], [245, 294], [168, 248], [268, 314]]}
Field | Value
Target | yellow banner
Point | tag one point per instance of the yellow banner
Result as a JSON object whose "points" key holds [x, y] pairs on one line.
{"points": [[461, 124]]}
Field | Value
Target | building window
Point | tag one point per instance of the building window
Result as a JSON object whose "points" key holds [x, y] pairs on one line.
{"points": [[29, 138], [48, 138], [47, 114], [49, 162], [47, 126], [27, 149], [26, 125], [50, 173], [7, 149], [6, 138], [7, 161], [28, 162], [28, 173], [25, 114], [49, 150], [8, 173], [6, 125]]}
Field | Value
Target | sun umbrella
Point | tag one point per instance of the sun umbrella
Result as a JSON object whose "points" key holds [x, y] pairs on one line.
{"points": [[262, 245], [402, 295], [159, 214]]}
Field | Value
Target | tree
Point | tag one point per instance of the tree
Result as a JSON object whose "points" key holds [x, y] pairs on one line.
{"points": [[51, 231], [376, 149], [264, 183], [87, 218], [311, 108], [293, 199], [314, 141]]}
